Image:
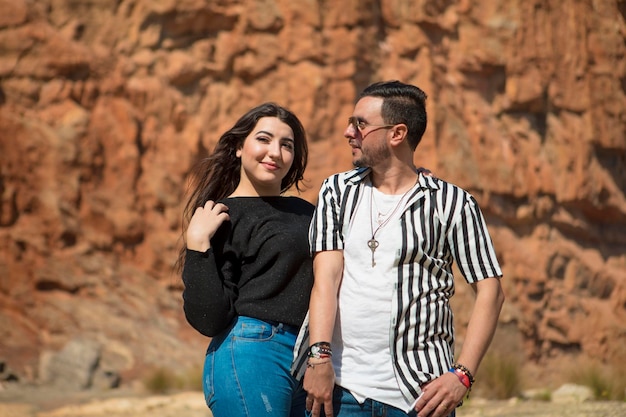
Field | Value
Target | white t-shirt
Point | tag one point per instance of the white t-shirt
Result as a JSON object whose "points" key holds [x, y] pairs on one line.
{"points": [[441, 216], [361, 340]]}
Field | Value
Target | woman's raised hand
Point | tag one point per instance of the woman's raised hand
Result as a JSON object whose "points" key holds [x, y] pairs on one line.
{"points": [[203, 225]]}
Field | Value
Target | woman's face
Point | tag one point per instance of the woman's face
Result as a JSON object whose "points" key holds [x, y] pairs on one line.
{"points": [[266, 157]]}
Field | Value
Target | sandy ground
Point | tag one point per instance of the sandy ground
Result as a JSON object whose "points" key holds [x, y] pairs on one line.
{"points": [[26, 401], [32, 402]]}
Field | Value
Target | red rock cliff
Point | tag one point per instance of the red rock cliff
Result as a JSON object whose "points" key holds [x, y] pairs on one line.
{"points": [[105, 105]]}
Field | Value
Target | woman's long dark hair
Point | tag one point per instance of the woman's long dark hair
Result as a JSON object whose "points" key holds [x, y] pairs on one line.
{"points": [[218, 175]]}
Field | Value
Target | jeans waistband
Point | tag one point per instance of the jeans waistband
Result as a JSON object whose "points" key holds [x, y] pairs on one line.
{"points": [[287, 327]]}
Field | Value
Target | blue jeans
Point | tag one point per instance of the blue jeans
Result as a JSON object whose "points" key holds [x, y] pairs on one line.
{"points": [[345, 405], [247, 371]]}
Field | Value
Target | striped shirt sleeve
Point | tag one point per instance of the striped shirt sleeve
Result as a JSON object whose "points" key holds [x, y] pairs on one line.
{"points": [[471, 243], [325, 232]]}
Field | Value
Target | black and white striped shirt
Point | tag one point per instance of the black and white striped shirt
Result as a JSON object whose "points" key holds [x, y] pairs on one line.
{"points": [[441, 223]]}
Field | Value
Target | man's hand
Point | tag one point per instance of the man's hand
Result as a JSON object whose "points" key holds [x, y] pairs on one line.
{"points": [[440, 396], [319, 381]]}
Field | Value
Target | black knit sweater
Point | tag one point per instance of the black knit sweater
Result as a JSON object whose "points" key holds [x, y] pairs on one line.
{"points": [[259, 265]]}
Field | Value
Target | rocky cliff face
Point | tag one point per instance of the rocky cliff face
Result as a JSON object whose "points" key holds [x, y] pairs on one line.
{"points": [[106, 104]]}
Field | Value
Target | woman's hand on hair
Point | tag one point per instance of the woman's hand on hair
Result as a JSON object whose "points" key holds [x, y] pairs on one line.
{"points": [[203, 225]]}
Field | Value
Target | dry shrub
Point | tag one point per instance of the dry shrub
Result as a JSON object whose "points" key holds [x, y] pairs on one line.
{"points": [[606, 382], [499, 376]]}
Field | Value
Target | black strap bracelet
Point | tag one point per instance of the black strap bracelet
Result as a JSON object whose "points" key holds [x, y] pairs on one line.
{"points": [[320, 350]]}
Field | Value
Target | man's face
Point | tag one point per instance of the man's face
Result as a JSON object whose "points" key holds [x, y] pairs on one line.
{"points": [[367, 133]]}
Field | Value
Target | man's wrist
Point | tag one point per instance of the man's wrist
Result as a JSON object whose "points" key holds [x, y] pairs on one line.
{"points": [[465, 377]]}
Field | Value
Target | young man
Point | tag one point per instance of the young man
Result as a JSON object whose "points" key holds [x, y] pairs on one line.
{"points": [[380, 337]]}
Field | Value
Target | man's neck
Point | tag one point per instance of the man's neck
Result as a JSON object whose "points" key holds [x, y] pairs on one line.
{"points": [[394, 179]]}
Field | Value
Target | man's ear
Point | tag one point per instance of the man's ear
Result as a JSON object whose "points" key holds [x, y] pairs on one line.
{"points": [[398, 134]]}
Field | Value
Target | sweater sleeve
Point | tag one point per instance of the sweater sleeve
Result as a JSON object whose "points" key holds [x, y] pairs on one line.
{"points": [[209, 297]]}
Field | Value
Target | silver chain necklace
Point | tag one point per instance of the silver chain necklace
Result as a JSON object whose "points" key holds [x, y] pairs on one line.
{"points": [[380, 216], [373, 243]]}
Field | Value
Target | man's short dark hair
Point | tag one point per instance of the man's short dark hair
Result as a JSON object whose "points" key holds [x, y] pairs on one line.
{"points": [[402, 103]]}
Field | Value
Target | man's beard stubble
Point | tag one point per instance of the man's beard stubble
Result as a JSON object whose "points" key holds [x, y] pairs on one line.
{"points": [[372, 156]]}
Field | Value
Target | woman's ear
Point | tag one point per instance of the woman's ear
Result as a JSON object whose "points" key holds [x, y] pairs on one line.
{"points": [[238, 153]]}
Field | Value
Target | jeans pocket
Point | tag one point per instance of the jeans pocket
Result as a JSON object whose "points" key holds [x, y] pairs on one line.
{"points": [[255, 331]]}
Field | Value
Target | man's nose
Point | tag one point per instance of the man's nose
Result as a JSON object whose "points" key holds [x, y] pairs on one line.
{"points": [[350, 131]]}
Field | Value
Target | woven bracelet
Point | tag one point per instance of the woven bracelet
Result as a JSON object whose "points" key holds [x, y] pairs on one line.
{"points": [[313, 365], [462, 377], [465, 376], [466, 371]]}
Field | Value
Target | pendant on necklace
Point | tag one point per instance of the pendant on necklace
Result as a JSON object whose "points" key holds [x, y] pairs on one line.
{"points": [[373, 244]]}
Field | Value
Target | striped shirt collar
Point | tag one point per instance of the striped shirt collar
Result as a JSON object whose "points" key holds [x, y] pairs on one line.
{"points": [[357, 175]]}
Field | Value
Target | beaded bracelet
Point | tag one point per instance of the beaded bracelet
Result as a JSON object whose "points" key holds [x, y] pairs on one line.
{"points": [[465, 376]]}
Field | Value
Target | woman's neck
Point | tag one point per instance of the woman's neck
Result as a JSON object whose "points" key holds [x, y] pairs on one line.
{"points": [[249, 191]]}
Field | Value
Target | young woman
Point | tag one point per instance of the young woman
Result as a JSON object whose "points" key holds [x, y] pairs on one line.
{"points": [[246, 266]]}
